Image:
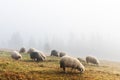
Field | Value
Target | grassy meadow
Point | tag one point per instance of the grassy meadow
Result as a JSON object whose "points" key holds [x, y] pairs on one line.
{"points": [[26, 69]]}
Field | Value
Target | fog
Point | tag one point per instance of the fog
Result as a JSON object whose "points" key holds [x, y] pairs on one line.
{"points": [[81, 28]]}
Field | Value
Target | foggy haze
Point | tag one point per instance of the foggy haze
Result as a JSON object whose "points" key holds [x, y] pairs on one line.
{"points": [[80, 28]]}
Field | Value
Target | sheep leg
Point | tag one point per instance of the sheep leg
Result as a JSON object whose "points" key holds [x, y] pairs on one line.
{"points": [[87, 62], [34, 59], [64, 69], [72, 69]]}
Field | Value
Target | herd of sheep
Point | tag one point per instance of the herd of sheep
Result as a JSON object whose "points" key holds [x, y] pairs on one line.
{"points": [[65, 60]]}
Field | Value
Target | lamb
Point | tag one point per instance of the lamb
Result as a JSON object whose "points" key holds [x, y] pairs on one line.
{"points": [[62, 54], [22, 50], [54, 53], [74, 63], [92, 59], [16, 55]]}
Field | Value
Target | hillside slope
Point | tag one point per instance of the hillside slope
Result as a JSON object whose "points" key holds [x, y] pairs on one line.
{"points": [[26, 69]]}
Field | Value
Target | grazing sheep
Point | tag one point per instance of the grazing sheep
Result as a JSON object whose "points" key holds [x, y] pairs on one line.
{"points": [[67, 61], [37, 56], [92, 59], [31, 50], [54, 53], [22, 50], [81, 60], [42, 54], [16, 55], [62, 54]]}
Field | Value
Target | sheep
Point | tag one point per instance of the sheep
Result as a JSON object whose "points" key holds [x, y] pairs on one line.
{"points": [[62, 54], [31, 50], [22, 50], [54, 53], [73, 63], [81, 60], [42, 54], [16, 55], [92, 59], [37, 56]]}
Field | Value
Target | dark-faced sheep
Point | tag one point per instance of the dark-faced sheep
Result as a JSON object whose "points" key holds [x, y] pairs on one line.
{"points": [[67, 61], [37, 56], [62, 54], [54, 53], [22, 50], [16, 55], [92, 59]]}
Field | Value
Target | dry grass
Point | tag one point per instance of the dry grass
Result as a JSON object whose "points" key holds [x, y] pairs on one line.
{"points": [[26, 69]]}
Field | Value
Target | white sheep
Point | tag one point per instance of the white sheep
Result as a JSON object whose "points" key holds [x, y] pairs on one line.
{"points": [[74, 63], [16, 55], [81, 60], [92, 59], [42, 54], [62, 54], [31, 50]]}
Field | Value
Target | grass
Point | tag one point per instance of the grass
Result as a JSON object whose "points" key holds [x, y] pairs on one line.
{"points": [[26, 69]]}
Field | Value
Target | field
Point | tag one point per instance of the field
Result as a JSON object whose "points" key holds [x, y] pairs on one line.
{"points": [[26, 69]]}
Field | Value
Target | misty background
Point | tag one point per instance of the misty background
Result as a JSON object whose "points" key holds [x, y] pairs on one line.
{"points": [[79, 27]]}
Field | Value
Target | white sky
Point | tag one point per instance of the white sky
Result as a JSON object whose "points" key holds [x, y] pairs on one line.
{"points": [[33, 17], [87, 15], [78, 16]]}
